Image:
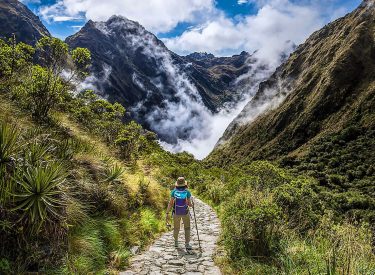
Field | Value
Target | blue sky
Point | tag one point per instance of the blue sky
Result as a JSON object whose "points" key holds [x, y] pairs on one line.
{"points": [[222, 26]]}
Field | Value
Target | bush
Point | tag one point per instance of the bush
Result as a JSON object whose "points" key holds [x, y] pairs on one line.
{"points": [[251, 225], [269, 175], [300, 203]]}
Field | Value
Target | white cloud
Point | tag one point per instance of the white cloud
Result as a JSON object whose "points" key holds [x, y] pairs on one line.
{"points": [[241, 2], [156, 15], [275, 23], [30, 1]]}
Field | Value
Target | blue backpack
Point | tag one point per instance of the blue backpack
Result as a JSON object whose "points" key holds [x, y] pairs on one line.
{"points": [[180, 202]]}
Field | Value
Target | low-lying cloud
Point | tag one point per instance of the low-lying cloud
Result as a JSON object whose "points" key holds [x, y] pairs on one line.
{"points": [[182, 120]]}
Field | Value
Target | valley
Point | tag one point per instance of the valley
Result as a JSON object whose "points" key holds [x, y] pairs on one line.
{"points": [[96, 129]]}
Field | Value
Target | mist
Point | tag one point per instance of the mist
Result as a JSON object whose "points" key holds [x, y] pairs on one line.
{"points": [[181, 120]]}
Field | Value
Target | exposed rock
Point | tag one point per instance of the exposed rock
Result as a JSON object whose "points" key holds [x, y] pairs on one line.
{"points": [[16, 18], [131, 66], [135, 250]]}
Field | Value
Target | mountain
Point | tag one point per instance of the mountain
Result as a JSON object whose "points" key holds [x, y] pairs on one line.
{"points": [[200, 56], [131, 66], [16, 18], [320, 101]]}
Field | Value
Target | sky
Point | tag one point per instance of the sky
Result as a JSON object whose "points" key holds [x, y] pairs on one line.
{"points": [[222, 27]]}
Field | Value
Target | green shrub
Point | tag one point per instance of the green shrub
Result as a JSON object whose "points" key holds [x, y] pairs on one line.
{"points": [[113, 173], [5, 267], [251, 225], [269, 175], [149, 223], [300, 203]]}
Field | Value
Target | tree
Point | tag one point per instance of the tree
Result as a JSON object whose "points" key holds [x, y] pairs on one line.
{"points": [[44, 92], [98, 115], [52, 81], [15, 62], [130, 139]]}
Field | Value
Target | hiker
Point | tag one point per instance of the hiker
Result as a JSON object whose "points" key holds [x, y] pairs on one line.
{"points": [[180, 201]]}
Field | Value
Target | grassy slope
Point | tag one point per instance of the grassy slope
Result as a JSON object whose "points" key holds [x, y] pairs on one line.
{"points": [[325, 127], [104, 220], [331, 78]]}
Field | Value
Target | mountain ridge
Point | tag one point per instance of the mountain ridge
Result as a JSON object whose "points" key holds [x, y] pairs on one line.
{"points": [[18, 19], [133, 67], [320, 82]]}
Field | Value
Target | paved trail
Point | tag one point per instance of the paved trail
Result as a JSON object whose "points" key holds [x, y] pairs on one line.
{"points": [[163, 258]]}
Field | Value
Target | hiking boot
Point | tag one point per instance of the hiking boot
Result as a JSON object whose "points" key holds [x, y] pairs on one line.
{"points": [[188, 247], [176, 244]]}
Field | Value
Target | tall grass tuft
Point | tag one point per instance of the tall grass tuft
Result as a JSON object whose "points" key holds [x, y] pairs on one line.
{"points": [[86, 248], [9, 141], [38, 195], [113, 173], [9, 137], [149, 224]]}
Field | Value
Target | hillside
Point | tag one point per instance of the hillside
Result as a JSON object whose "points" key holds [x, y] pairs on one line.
{"points": [[16, 18], [84, 187], [324, 88]]}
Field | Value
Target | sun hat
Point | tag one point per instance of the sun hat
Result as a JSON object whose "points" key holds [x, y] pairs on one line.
{"points": [[181, 182]]}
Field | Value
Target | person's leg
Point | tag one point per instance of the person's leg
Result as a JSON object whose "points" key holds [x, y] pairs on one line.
{"points": [[176, 227], [186, 220]]}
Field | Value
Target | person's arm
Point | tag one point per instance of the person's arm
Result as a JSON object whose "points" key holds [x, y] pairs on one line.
{"points": [[189, 200], [170, 205], [190, 203]]}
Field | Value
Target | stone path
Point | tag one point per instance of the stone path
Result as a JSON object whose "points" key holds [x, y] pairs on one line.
{"points": [[163, 258]]}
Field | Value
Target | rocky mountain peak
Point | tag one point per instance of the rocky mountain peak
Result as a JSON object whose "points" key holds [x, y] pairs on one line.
{"points": [[132, 66], [200, 56], [117, 23], [17, 19]]}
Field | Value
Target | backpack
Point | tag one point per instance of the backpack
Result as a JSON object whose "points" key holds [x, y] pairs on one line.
{"points": [[180, 202]]}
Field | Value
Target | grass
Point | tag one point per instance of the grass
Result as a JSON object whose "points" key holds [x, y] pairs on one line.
{"points": [[103, 214]]}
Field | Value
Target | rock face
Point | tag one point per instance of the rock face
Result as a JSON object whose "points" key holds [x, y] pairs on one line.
{"points": [[131, 66], [327, 85], [16, 18], [163, 258]]}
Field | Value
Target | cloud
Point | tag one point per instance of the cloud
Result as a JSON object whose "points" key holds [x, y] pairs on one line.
{"points": [[241, 2], [156, 15], [182, 120], [268, 31], [30, 1], [77, 27]]}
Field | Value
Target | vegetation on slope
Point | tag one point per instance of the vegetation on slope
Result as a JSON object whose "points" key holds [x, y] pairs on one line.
{"points": [[75, 195], [276, 222], [328, 86], [80, 187]]}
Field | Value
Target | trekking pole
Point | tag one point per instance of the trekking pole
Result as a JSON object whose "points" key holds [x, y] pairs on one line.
{"points": [[196, 226]]}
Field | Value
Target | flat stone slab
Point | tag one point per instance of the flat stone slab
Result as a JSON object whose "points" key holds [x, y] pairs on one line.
{"points": [[162, 258]]}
